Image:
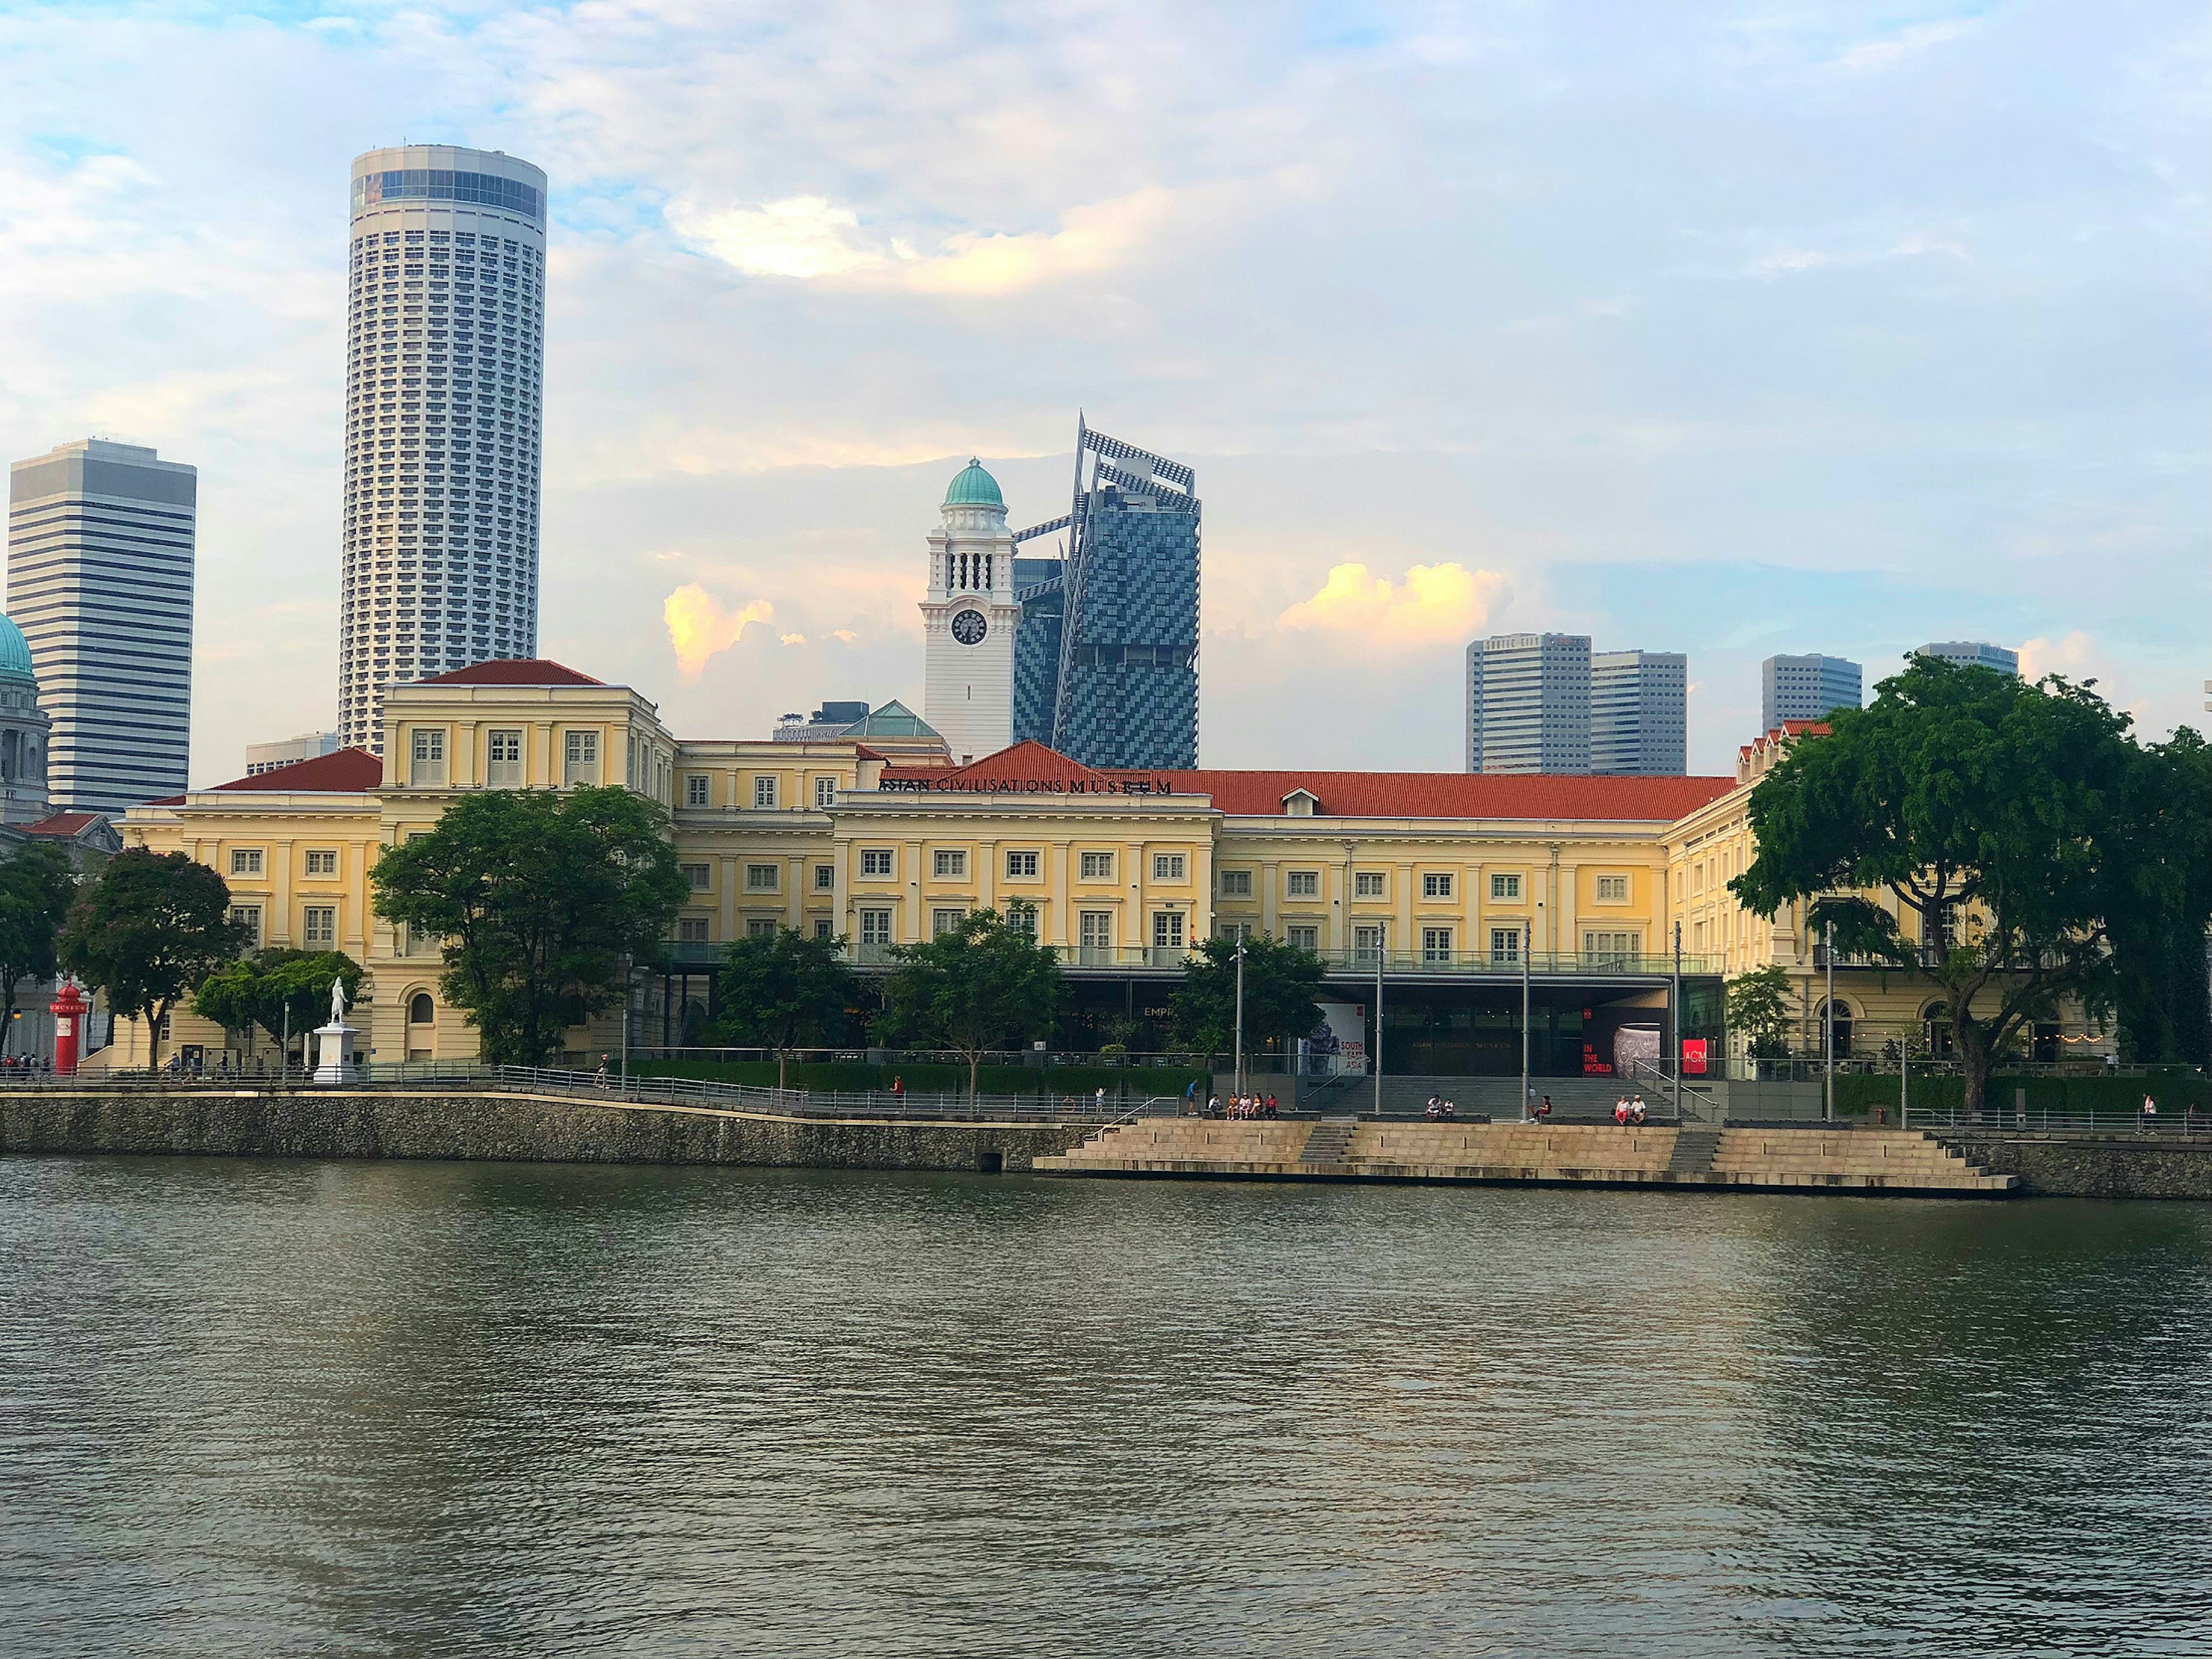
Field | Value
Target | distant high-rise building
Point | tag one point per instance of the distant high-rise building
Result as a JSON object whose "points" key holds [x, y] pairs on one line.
{"points": [[1639, 712], [1971, 653], [99, 580], [1529, 703], [1805, 689], [308, 746], [445, 374]]}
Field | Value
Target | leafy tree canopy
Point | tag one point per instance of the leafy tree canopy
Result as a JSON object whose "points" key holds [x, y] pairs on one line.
{"points": [[2159, 900], [1759, 1007], [262, 990], [1991, 810], [1279, 985], [782, 990], [150, 929], [37, 884], [984, 985], [542, 898]]}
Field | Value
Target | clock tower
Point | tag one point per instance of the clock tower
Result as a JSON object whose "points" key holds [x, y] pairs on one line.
{"points": [[968, 620]]}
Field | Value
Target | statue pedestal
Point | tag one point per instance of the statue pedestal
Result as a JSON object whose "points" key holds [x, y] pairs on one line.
{"points": [[334, 1053]]}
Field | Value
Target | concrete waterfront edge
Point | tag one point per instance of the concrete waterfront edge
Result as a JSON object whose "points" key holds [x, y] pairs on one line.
{"points": [[2091, 1165], [504, 1127]]}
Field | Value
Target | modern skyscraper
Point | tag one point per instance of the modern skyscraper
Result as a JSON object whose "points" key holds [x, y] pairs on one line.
{"points": [[99, 580], [1639, 712], [1107, 660], [1971, 653], [1529, 703], [1806, 688], [445, 372]]}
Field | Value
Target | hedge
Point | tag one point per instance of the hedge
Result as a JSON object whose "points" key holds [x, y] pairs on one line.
{"points": [[859, 1077]]}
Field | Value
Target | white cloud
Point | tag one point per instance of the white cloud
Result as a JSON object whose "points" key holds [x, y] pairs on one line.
{"points": [[1435, 602], [699, 626], [1892, 49], [802, 236]]}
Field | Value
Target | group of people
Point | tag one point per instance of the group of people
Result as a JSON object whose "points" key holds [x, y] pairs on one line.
{"points": [[1629, 1110], [1241, 1106], [1440, 1111], [26, 1064]]}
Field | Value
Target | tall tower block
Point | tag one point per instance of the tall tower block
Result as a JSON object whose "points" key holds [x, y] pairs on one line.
{"points": [[445, 374], [969, 619]]}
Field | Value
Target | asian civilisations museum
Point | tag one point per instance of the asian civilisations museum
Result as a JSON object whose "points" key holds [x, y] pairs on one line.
{"points": [[1592, 900]]}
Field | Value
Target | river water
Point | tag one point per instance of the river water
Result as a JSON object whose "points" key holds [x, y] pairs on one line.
{"points": [[276, 1408]]}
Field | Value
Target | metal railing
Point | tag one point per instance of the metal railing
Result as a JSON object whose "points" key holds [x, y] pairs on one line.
{"points": [[1174, 958], [955, 1106]]}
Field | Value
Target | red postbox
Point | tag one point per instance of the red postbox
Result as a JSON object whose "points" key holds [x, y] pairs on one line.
{"points": [[69, 1008]]}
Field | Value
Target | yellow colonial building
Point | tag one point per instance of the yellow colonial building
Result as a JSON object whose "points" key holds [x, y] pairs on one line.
{"points": [[1590, 899]]}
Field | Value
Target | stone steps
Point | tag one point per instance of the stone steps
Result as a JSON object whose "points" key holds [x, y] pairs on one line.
{"points": [[1893, 1161]]}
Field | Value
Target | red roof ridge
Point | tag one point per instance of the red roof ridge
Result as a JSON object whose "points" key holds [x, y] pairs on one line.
{"points": [[511, 671], [344, 771]]}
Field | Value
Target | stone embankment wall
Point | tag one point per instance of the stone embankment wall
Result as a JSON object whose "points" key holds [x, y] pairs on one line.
{"points": [[2093, 1166], [372, 1124]]}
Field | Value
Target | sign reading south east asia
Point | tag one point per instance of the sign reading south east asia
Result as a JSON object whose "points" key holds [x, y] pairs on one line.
{"points": [[1152, 786]]}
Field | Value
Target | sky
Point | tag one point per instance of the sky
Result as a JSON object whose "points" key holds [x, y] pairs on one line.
{"points": [[1720, 328]]}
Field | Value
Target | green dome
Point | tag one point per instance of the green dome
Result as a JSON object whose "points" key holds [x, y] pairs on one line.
{"points": [[973, 488], [15, 654]]}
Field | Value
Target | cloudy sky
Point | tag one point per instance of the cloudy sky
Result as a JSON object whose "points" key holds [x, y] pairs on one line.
{"points": [[1728, 328]]}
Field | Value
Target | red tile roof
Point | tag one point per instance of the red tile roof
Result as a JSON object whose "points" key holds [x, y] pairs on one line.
{"points": [[348, 771], [68, 825], [1340, 794], [512, 671]]}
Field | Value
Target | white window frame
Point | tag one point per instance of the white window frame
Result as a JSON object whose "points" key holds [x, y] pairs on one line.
{"points": [[1095, 866], [877, 925], [691, 930], [1612, 890], [825, 877], [580, 759], [700, 876], [1168, 930], [249, 915], [764, 878], [245, 861], [325, 937], [1503, 886], [1022, 866], [1436, 884], [1436, 944], [698, 789], [944, 920], [949, 864], [503, 770], [1170, 866], [426, 755], [1236, 884], [1302, 936], [322, 861], [878, 862], [1369, 884], [765, 795], [1505, 945], [1301, 884]]}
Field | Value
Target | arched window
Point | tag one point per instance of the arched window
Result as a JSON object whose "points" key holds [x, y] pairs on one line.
{"points": [[422, 1011], [1840, 1032]]}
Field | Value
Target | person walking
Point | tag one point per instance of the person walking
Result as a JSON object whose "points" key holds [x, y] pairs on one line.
{"points": [[2150, 1113]]}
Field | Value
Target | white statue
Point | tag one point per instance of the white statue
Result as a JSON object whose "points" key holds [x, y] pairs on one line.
{"points": [[337, 1002]]}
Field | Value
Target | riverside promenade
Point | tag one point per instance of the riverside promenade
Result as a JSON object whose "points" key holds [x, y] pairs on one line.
{"points": [[577, 1117]]}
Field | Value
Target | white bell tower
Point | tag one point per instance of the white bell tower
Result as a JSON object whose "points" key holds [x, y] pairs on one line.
{"points": [[968, 621]]}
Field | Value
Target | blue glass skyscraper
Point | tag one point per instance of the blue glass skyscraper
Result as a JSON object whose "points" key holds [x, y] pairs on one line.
{"points": [[1106, 662]]}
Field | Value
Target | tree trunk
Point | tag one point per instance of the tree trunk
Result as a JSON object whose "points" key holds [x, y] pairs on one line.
{"points": [[1973, 1040], [780, 1069], [975, 1062]]}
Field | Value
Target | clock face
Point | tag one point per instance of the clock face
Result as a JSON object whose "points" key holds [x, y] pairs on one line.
{"points": [[969, 627]]}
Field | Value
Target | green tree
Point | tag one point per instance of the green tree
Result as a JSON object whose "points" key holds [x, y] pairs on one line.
{"points": [[1991, 810], [1758, 1006], [1279, 985], [37, 884], [984, 985], [148, 931], [2158, 901], [278, 989], [781, 991], [542, 898]]}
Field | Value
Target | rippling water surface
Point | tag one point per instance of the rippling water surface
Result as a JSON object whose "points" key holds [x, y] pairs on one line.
{"points": [[413, 1409]]}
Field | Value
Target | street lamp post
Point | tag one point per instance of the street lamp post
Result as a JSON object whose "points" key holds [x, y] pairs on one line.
{"points": [[1677, 1015], [1528, 950], [1382, 943], [1828, 1029], [1240, 1013]]}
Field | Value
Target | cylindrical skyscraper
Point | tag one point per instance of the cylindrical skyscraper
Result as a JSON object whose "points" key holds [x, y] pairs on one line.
{"points": [[445, 368]]}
